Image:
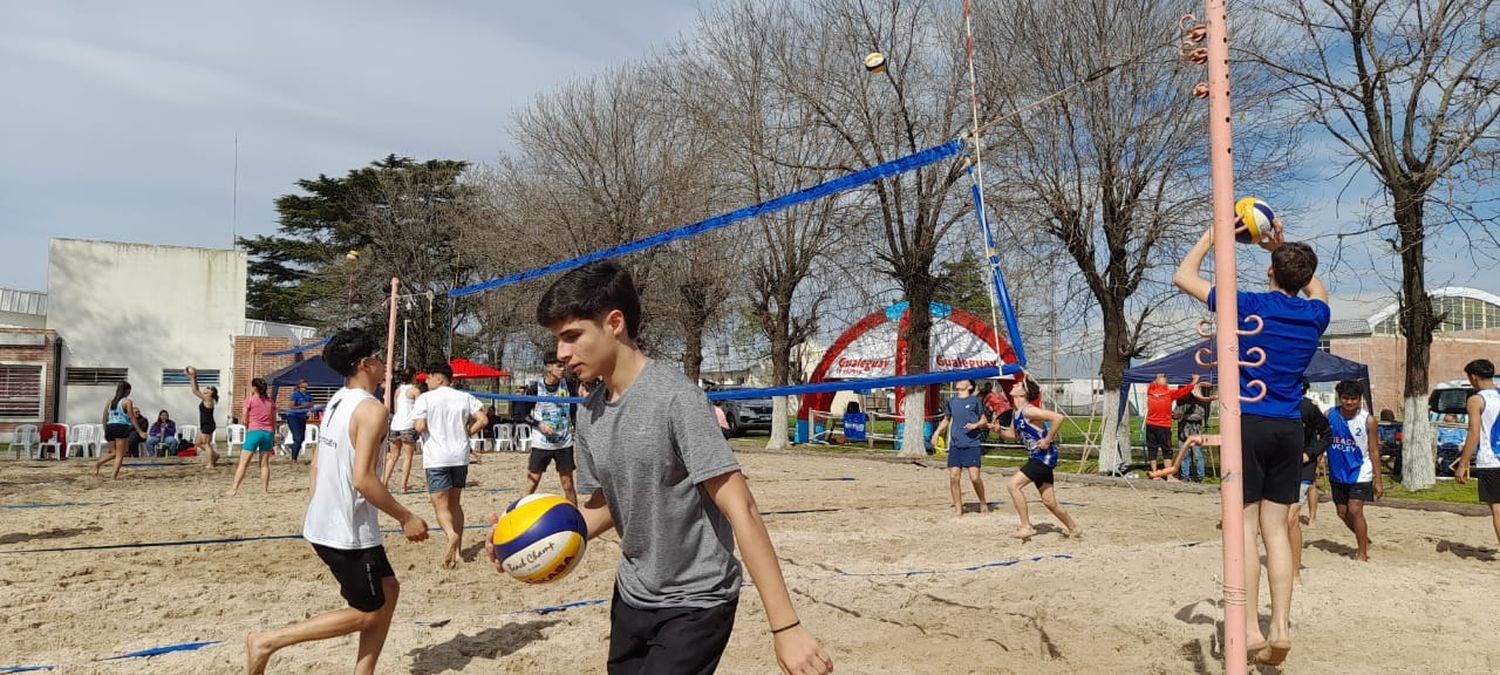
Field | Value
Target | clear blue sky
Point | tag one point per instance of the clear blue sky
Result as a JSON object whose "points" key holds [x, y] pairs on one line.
{"points": [[119, 119]]}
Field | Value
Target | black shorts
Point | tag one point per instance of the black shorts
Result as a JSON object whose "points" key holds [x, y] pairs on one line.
{"points": [[1039, 473], [1343, 492], [115, 432], [1489, 484], [359, 573], [679, 640], [1272, 459], [1158, 443], [539, 459], [207, 430], [1006, 419]]}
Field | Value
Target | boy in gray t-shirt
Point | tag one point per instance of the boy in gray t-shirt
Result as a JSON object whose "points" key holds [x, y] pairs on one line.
{"points": [[653, 465]]}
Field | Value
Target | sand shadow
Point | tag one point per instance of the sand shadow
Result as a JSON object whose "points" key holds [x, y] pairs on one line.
{"points": [[490, 644], [1334, 547], [57, 533], [1465, 551], [471, 553]]}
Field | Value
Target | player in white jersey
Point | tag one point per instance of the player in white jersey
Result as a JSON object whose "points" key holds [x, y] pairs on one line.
{"points": [[1354, 470], [403, 437], [1482, 447], [342, 524]]}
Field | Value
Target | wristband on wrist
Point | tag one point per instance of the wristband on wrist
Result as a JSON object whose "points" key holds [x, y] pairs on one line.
{"points": [[787, 627]]}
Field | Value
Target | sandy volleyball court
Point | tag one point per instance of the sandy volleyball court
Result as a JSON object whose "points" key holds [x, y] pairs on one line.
{"points": [[880, 569]]}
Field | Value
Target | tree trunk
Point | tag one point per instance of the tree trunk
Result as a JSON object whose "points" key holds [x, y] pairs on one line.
{"points": [[1418, 454], [919, 350], [781, 357], [692, 352], [1114, 439], [1112, 372]]}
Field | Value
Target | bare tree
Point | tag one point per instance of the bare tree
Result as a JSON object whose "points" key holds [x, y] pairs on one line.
{"points": [[873, 118], [1411, 91], [606, 161], [725, 84], [1114, 169]]}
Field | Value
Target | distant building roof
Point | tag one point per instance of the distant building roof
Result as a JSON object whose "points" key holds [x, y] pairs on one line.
{"points": [[298, 334], [23, 302], [1465, 309]]}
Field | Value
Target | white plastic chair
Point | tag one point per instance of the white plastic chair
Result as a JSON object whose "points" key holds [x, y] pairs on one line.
{"points": [[100, 444], [523, 438], [284, 448], [25, 436], [479, 444], [80, 436], [311, 441], [53, 444], [503, 439], [236, 437]]}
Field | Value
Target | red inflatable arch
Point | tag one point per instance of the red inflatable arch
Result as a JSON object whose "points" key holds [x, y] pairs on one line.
{"points": [[876, 346]]}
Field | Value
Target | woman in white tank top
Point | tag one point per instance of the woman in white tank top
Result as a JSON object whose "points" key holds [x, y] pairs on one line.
{"points": [[403, 438]]}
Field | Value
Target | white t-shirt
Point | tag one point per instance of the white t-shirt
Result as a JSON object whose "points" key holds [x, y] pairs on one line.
{"points": [[402, 419], [338, 515], [447, 411]]}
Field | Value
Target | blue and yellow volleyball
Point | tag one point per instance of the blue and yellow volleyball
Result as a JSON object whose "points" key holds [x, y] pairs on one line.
{"points": [[1255, 218], [540, 538]]}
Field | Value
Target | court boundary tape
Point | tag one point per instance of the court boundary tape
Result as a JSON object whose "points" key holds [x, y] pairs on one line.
{"points": [[141, 654]]}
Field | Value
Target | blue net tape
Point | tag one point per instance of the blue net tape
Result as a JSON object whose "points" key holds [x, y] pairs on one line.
{"points": [[896, 166]]}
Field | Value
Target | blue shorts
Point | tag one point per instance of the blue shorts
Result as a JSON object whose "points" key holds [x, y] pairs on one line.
{"points": [[447, 478], [259, 441], [964, 457]]}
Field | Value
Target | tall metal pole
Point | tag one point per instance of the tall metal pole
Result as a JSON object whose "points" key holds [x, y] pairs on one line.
{"points": [[1227, 336], [390, 346]]}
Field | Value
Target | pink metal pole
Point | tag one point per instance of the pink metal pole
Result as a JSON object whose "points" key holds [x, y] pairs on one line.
{"points": [[1227, 318], [390, 346]]}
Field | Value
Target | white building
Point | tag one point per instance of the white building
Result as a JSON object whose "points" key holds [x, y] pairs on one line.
{"points": [[142, 313]]}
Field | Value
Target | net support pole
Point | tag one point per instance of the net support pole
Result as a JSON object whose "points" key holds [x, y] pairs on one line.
{"points": [[1232, 489], [390, 346]]}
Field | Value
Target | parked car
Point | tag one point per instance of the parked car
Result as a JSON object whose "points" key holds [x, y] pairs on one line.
{"points": [[747, 414]]}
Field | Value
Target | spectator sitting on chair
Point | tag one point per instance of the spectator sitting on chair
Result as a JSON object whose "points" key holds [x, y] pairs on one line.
{"points": [[133, 446], [163, 433]]}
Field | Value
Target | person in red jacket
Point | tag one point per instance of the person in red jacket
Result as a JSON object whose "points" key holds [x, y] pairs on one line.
{"points": [[1159, 401]]}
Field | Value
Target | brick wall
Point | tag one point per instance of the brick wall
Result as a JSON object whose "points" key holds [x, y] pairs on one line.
{"points": [[249, 364], [1386, 357], [45, 354]]}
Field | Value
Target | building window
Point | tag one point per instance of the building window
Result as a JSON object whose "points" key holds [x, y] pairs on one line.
{"points": [[21, 392], [97, 376], [1325, 345], [177, 377]]}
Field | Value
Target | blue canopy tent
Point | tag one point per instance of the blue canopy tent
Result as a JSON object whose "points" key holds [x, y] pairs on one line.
{"points": [[314, 370], [1181, 367]]}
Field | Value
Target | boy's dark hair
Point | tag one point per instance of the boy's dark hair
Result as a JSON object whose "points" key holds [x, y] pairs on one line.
{"points": [[592, 292], [1033, 390], [1293, 265], [347, 348], [406, 375], [1483, 369], [1350, 388], [440, 368], [1306, 384]]}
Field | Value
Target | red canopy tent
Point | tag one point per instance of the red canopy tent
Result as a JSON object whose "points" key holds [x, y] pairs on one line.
{"points": [[464, 369]]}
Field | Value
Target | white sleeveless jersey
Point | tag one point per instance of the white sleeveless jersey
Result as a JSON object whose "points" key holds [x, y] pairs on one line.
{"points": [[402, 420], [1349, 448], [338, 515], [1487, 451]]}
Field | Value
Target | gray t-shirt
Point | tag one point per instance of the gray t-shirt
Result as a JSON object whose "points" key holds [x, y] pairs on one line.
{"points": [[648, 452]]}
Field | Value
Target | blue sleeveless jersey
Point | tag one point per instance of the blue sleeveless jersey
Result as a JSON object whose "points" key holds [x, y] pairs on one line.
{"points": [[1031, 436]]}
